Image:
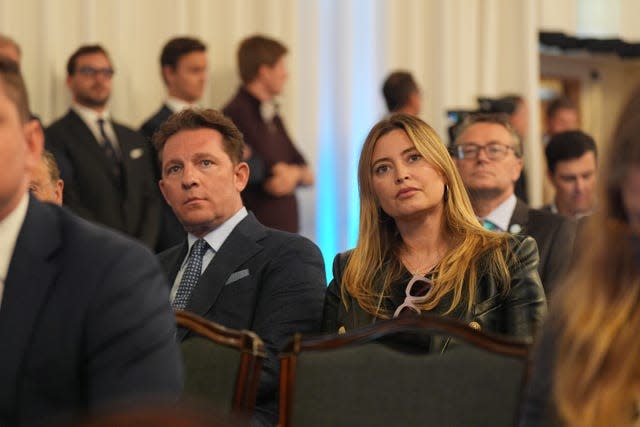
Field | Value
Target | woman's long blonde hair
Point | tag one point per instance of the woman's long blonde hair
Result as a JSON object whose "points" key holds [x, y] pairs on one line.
{"points": [[597, 311], [379, 243]]}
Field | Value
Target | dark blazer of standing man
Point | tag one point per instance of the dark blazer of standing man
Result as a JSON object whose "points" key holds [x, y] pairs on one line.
{"points": [[109, 175], [250, 276], [262, 66], [84, 321]]}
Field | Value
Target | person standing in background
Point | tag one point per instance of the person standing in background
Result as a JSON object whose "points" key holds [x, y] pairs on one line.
{"points": [[109, 167], [254, 110], [183, 65]]}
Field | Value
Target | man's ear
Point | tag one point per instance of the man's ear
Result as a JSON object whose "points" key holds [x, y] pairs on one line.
{"points": [[167, 73], [241, 173], [34, 136]]}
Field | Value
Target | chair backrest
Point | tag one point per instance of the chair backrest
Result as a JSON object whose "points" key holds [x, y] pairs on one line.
{"points": [[222, 365], [385, 375]]}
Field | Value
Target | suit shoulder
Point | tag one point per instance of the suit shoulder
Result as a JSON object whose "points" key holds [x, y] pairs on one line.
{"points": [[549, 219], [92, 239]]}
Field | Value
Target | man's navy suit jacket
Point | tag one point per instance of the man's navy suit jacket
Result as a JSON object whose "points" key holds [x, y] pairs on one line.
{"points": [[84, 322], [265, 280], [131, 205]]}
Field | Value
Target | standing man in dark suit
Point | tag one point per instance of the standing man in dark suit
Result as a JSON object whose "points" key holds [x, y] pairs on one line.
{"points": [[84, 321], [254, 110], [183, 65], [489, 158], [245, 276], [109, 167]]}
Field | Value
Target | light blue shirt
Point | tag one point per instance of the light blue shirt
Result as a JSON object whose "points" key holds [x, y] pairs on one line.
{"points": [[215, 239], [501, 215]]}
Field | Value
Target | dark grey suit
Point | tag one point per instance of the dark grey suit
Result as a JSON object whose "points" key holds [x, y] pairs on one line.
{"points": [[269, 281], [131, 204], [84, 321], [554, 235]]}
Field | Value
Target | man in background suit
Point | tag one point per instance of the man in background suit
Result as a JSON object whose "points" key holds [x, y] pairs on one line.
{"points": [[183, 65], [231, 269], [109, 175], [489, 158], [84, 321]]}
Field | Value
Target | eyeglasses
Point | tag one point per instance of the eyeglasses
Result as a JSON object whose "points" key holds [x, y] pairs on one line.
{"points": [[92, 72], [416, 292], [494, 151]]}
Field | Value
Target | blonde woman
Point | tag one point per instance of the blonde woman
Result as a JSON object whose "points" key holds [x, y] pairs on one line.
{"points": [[421, 249], [588, 360]]}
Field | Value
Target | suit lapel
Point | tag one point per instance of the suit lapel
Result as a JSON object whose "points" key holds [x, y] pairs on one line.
{"points": [[519, 218], [239, 247], [30, 278]]}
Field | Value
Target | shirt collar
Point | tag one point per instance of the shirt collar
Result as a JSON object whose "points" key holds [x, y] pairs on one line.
{"points": [[216, 238], [88, 115], [176, 105], [501, 215], [9, 229]]}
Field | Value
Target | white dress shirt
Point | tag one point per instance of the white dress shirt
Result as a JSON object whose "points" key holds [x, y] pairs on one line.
{"points": [[215, 239], [501, 215], [9, 229], [90, 118]]}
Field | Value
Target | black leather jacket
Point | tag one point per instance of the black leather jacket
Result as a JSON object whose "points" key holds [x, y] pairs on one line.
{"points": [[516, 314]]}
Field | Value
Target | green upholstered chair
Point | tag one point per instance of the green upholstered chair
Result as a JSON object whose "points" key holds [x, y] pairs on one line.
{"points": [[385, 375], [222, 365]]}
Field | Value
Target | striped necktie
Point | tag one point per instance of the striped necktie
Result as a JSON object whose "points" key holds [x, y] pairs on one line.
{"points": [[109, 150]]}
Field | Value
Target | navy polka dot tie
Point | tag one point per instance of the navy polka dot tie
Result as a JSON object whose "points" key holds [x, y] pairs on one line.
{"points": [[191, 275]]}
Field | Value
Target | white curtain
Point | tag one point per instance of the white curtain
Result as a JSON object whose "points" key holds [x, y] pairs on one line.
{"points": [[340, 51]]}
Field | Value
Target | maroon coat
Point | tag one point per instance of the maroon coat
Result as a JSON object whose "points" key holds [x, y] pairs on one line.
{"points": [[272, 145]]}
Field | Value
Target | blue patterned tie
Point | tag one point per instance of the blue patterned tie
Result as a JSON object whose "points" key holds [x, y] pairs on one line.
{"points": [[109, 151], [191, 275]]}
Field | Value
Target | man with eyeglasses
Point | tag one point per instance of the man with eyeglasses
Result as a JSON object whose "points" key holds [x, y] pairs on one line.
{"points": [[109, 178], [488, 155]]}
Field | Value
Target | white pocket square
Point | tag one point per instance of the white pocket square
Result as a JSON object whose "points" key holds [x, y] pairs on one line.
{"points": [[136, 153], [237, 276]]}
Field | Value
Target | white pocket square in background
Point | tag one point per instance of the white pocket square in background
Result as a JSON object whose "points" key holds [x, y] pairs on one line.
{"points": [[237, 276], [136, 153]]}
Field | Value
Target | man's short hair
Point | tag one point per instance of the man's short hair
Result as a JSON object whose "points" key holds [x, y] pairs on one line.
{"points": [[191, 119], [568, 145], [397, 89], [256, 51], [81, 51], [51, 165], [177, 47], [560, 103], [501, 119], [13, 86]]}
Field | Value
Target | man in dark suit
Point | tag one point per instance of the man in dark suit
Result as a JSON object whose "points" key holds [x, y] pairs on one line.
{"points": [[489, 158], [109, 168], [231, 269], [84, 321], [183, 64]]}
